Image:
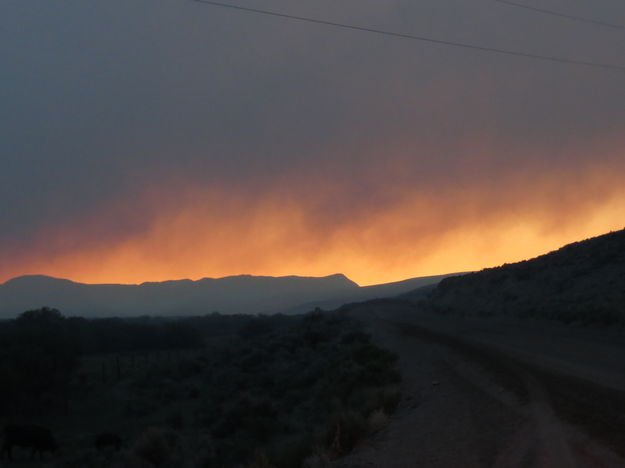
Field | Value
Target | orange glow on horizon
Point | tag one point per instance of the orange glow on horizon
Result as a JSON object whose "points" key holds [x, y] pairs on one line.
{"points": [[201, 233]]}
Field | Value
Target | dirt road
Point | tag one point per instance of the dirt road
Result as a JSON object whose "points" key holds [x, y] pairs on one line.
{"points": [[497, 394]]}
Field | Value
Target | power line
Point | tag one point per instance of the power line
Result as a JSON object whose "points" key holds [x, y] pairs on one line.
{"points": [[463, 45], [562, 15]]}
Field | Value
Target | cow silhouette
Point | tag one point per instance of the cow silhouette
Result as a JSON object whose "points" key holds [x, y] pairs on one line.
{"points": [[36, 438], [108, 439]]}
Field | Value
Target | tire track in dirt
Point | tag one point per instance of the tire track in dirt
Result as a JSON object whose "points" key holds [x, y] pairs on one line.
{"points": [[547, 438]]}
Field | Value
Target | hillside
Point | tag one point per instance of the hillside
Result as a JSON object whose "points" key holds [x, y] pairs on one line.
{"points": [[229, 295], [365, 293], [583, 282]]}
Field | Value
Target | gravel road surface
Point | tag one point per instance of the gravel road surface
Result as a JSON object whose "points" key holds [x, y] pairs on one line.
{"points": [[498, 393]]}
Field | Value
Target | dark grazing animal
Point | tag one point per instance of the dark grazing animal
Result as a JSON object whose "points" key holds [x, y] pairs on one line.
{"points": [[108, 439], [38, 439]]}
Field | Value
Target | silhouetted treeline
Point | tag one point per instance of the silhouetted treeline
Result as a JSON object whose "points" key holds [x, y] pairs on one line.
{"points": [[37, 358], [88, 336], [40, 349]]}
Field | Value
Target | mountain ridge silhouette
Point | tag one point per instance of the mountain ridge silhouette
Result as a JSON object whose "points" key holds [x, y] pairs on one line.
{"points": [[229, 295]]}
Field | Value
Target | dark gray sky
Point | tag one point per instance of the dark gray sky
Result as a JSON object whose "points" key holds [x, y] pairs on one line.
{"points": [[167, 138]]}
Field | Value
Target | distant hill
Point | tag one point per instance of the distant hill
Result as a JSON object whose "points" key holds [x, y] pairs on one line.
{"points": [[583, 282], [365, 293], [229, 295]]}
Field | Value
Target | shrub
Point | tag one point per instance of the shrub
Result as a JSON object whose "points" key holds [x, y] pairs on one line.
{"points": [[175, 420], [377, 421], [346, 431], [292, 454], [155, 446], [390, 399], [260, 461], [318, 459]]}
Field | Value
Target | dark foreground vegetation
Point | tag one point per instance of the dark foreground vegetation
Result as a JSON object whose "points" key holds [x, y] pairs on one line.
{"points": [[210, 391], [582, 283]]}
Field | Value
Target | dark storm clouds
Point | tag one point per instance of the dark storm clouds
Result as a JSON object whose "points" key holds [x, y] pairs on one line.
{"points": [[102, 99]]}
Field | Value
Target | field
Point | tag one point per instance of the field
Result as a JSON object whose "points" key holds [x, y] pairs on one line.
{"points": [[275, 391]]}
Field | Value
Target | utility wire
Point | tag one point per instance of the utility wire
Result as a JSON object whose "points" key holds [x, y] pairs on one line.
{"points": [[562, 15], [463, 45]]}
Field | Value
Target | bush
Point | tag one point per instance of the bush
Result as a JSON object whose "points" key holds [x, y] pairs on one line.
{"points": [[377, 421], [260, 461], [155, 446], [346, 431], [318, 459], [175, 420]]}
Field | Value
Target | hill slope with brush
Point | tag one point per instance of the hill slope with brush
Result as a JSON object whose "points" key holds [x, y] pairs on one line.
{"points": [[583, 283]]}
